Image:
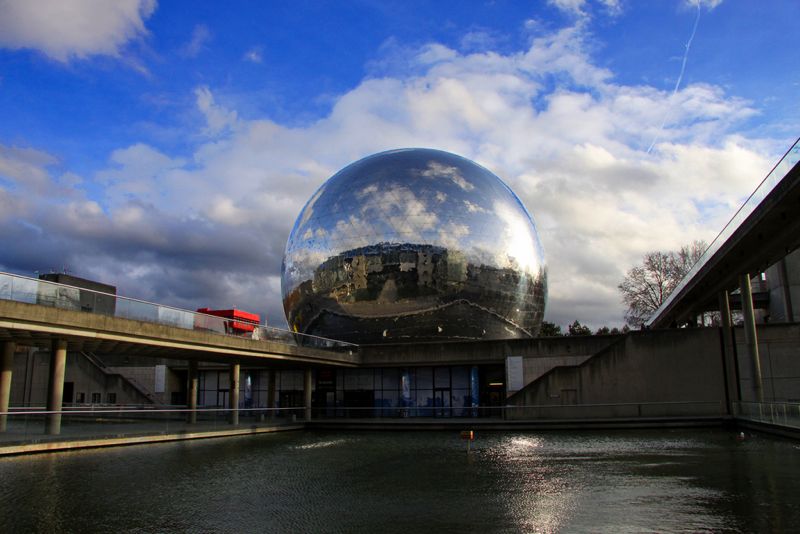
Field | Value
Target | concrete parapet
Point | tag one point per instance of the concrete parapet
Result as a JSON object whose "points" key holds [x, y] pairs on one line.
{"points": [[481, 352]]}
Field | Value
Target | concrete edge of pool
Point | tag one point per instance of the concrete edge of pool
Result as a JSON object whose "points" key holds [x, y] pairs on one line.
{"points": [[35, 447], [116, 441]]}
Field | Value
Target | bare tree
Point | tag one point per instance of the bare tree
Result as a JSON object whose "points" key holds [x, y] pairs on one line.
{"points": [[646, 286]]}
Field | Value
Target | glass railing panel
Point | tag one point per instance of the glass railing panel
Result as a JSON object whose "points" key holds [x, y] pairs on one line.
{"points": [[137, 310], [774, 413], [174, 317]]}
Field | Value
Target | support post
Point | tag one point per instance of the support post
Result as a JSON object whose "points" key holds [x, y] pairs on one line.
{"points": [[783, 275], [6, 369], [233, 393], [307, 393], [750, 336], [728, 355], [191, 392], [271, 393], [55, 386]]}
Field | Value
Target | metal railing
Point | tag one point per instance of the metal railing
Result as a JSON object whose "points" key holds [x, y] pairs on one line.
{"points": [[35, 291], [775, 176], [786, 414], [77, 422], [533, 412]]}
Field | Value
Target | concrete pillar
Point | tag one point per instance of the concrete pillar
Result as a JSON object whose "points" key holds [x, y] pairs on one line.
{"points": [[55, 385], [730, 365], [233, 393], [6, 368], [307, 393], [783, 275], [271, 393], [750, 336], [191, 392]]}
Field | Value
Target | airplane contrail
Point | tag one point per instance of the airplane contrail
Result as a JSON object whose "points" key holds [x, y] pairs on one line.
{"points": [[680, 78]]}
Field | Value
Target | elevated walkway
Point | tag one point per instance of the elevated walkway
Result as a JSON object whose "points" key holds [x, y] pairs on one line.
{"points": [[764, 229], [39, 325]]}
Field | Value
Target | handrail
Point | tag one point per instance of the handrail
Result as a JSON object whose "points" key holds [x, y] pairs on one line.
{"points": [[147, 409], [781, 414]]}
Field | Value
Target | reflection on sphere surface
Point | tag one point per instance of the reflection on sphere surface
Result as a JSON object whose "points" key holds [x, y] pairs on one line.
{"points": [[414, 244]]}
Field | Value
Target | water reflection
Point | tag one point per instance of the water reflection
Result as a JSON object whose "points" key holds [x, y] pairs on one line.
{"points": [[411, 482]]}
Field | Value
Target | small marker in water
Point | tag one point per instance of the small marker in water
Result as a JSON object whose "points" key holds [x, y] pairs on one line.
{"points": [[468, 435]]}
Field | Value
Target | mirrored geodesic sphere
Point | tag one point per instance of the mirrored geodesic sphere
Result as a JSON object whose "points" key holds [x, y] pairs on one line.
{"points": [[414, 244]]}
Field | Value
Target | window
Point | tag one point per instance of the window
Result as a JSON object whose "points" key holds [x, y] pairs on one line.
{"points": [[95, 398], [80, 397], [112, 398]]}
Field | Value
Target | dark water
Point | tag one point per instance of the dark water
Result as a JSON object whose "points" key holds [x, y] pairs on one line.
{"points": [[664, 481]]}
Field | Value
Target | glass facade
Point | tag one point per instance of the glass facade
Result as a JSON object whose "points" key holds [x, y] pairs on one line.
{"points": [[414, 244], [441, 391]]}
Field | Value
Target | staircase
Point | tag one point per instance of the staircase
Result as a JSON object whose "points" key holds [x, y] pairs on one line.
{"points": [[133, 382]]}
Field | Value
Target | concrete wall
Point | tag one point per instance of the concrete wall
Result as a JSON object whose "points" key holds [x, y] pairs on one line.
{"points": [[145, 377], [777, 292], [651, 373], [31, 373], [481, 352], [779, 353]]}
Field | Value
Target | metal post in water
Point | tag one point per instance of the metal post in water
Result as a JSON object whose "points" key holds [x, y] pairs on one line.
{"points": [[468, 435]]}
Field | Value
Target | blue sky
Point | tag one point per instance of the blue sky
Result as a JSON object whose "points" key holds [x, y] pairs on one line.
{"points": [[167, 147]]}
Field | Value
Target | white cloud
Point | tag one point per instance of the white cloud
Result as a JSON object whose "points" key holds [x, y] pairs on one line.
{"points": [[217, 117], [614, 7], [571, 7], [567, 137], [25, 168], [580, 8], [254, 55], [200, 36], [67, 29], [708, 4]]}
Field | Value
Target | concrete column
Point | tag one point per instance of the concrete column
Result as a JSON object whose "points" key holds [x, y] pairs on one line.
{"points": [[55, 385], [307, 393], [271, 393], [728, 352], [750, 336], [783, 275], [233, 393], [191, 392], [6, 368]]}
